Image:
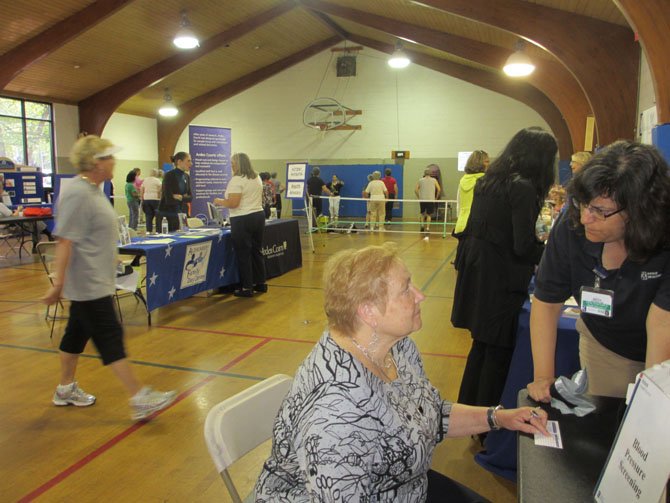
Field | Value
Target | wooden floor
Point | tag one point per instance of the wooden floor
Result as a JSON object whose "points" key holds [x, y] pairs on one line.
{"points": [[208, 348]]}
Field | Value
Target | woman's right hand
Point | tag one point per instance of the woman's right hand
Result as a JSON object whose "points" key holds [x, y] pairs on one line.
{"points": [[53, 295], [538, 390]]}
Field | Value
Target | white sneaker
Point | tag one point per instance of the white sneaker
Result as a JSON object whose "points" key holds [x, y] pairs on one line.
{"points": [[147, 401], [72, 394]]}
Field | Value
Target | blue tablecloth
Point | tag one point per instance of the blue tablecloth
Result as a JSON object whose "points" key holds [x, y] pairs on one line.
{"points": [[500, 456], [197, 262]]}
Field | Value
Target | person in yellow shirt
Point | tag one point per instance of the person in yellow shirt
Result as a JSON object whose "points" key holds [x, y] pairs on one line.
{"points": [[475, 167]]}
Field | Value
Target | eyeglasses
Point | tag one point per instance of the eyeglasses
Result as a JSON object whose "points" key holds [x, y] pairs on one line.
{"points": [[598, 213]]}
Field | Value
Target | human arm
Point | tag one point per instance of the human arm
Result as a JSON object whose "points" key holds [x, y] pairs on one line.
{"points": [[543, 331], [438, 190], [61, 261], [658, 336], [326, 190], [5, 211], [231, 200], [468, 420], [523, 201], [395, 189], [416, 190], [142, 192]]}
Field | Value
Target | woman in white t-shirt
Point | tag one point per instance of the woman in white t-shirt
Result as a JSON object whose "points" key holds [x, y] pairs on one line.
{"points": [[243, 198], [150, 192]]}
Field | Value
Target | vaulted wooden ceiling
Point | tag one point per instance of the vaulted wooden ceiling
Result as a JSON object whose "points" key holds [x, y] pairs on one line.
{"points": [[116, 55]]}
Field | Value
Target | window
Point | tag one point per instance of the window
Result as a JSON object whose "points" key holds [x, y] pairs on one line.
{"points": [[26, 134]]}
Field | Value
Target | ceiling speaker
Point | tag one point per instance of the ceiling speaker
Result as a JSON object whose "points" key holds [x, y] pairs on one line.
{"points": [[346, 66]]}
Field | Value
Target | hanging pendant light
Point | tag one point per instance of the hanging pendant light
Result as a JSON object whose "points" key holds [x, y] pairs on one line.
{"points": [[518, 64], [168, 109], [399, 58], [185, 37]]}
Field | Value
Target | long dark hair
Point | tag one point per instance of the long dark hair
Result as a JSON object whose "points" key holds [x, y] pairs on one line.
{"points": [[179, 156], [130, 177], [530, 154], [637, 178]]}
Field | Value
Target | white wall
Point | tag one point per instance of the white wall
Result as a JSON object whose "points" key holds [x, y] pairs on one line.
{"points": [[137, 135], [437, 115]]}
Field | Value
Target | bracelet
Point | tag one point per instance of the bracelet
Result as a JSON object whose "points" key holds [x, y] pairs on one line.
{"points": [[491, 417]]}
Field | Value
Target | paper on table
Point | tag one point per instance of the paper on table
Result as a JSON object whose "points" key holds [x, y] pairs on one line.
{"points": [[163, 241], [192, 236], [554, 440]]}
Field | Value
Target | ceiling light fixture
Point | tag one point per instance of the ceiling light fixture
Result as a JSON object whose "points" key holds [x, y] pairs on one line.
{"points": [[518, 64], [185, 37], [168, 109], [399, 58]]}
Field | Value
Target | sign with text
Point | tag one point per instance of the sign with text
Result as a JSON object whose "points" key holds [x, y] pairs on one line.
{"points": [[210, 173], [296, 171], [639, 463], [295, 190]]}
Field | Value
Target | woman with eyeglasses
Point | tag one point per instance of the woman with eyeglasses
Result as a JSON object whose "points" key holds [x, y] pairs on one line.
{"points": [[612, 253]]}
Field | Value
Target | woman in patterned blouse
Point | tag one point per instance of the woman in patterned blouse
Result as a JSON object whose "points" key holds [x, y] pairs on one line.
{"points": [[362, 420]]}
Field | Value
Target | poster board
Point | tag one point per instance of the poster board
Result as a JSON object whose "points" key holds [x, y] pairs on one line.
{"points": [[211, 171], [296, 172]]}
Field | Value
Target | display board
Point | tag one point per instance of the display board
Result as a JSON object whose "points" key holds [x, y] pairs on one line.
{"points": [[24, 187], [355, 178], [61, 181]]}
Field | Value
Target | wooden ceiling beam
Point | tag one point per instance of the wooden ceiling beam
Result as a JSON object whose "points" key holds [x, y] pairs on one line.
{"points": [[550, 77], [332, 25], [169, 130], [95, 111], [14, 61], [520, 91], [651, 20], [603, 57]]}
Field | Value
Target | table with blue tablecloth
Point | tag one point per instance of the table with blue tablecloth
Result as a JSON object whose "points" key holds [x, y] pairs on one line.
{"points": [[204, 259], [500, 454]]}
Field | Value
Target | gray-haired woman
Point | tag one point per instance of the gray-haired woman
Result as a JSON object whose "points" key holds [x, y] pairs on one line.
{"points": [[84, 273]]}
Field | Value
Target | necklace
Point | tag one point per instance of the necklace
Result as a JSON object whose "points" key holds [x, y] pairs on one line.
{"points": [[383, 367], [87, 179]]}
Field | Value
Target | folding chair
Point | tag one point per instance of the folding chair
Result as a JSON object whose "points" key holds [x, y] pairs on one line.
{"points": [[14, 237], [46, 250], [241, 423]]}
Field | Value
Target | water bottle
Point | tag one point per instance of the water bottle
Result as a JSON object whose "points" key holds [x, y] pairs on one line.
{"points": [[164, 227]]}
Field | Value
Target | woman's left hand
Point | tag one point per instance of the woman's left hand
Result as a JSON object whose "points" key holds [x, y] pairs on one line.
{"points": [[219, 202], [525, 419]]}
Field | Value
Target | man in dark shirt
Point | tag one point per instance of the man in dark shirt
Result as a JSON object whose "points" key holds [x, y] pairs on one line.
{"points": [[315, 187]]}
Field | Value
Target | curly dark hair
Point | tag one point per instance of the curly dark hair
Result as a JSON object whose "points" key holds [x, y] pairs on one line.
{"points": [[637, 178], [530, 154]]}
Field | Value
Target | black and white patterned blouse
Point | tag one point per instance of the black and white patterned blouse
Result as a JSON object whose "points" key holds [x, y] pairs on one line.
{"points": [[343, 434]]}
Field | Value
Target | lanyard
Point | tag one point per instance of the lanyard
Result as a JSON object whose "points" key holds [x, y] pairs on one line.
{"points": [[601, 273]]}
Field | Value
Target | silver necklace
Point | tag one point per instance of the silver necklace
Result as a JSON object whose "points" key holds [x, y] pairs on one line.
{"points": [[388, 359]]}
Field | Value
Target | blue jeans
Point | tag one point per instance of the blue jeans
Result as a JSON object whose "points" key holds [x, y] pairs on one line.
{"points": [[133, 213]]}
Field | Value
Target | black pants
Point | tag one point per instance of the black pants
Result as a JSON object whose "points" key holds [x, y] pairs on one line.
{"points": [[389, 207], [246, 233], [442, 488], [97, 320], [317, 204], [172, 220], [485, 374], [278, 205], [150, 208]]}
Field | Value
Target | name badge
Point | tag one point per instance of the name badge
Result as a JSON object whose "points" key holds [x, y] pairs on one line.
{"points": [[597, 301]]}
